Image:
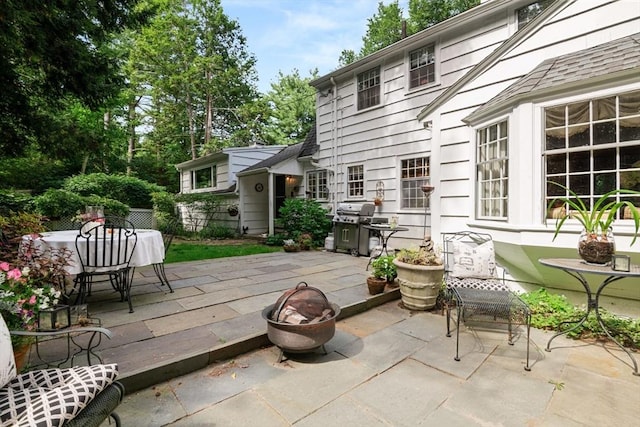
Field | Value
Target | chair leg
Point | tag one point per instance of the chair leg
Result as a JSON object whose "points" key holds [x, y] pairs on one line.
{"points": [[527, 367], [128, 280], [458, 310], [159, 269]]}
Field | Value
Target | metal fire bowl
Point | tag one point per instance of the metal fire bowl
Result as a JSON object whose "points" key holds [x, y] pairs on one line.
{"points": [[300, 338]]}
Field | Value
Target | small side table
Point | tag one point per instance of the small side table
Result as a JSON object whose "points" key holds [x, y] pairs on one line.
{"points": [[384, 231], [577, 269]]}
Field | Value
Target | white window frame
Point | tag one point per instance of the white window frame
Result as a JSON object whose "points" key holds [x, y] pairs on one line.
{"points": [[431, 48], [355, 181], [318, 185], [410, 186], [574, 175], [542, 4], [370, 88], [212, 180], [491, 169]]}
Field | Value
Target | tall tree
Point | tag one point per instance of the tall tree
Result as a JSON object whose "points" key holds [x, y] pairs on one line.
{"points": [[425, 13], [51, 51], [292, 106], [383, 29]]}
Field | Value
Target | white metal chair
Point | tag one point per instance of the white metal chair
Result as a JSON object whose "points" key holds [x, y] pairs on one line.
{"points": [[474, 288]]}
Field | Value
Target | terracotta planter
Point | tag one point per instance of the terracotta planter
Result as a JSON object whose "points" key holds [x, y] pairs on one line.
{"points": [[376, 286], [21, 356], [419, 284]]}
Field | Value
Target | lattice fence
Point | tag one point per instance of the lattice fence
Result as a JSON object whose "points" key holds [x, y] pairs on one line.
{"points": [[140, 218]]}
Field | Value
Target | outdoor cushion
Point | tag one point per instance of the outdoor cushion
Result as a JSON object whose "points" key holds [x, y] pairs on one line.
{"points": [[49, 397], [7, 363], [473, 261]]}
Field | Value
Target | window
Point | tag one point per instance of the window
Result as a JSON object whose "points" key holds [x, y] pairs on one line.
{"points": [[527, 13], [414, 174], [369, 88], [317, 185], [492, 167], [203, 178], [355, 181], [593, 147], [421, 67]]}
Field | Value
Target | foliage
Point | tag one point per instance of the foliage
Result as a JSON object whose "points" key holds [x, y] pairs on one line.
{"points": [[63, 203], [179, 252], [164, 207], [305, 240], [200, 209], [14, 201], [552, 311], [424, 255], [384, 268], [52, 51], [385, 27], [17, 172], [12, 228], [292, 104], [597, 219], [276, 239], [215, 231], [129, 190], [305, 216]]}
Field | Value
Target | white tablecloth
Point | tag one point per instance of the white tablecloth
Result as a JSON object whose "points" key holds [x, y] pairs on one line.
{"points": [[149, 249]]}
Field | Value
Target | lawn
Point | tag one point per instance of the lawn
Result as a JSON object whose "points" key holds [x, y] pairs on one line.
{"points": [[181, 251]]}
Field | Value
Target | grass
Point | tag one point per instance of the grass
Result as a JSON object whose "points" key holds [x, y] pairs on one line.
{"points": [[180, 252]]}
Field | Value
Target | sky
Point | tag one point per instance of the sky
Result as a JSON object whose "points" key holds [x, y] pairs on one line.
{"points": [[285, 35]]}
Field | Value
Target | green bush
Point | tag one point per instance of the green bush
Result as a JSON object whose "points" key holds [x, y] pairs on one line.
{"points": [[275, 239], [15, 201], [129, 190], [300, 216], [63, 204], [214, 231]]}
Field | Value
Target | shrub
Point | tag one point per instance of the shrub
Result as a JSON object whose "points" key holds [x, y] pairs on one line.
{"points": [[275, 239], [300, 216], [214, 231], [129, 190], [64, 204], [13, 227], [15, 201]]}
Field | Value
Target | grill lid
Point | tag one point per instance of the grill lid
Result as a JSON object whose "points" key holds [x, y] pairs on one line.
{"points": [[302, 305]]}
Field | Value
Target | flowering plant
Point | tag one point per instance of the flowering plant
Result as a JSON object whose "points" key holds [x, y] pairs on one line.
{"points": [[384, 268], [22, 297]]}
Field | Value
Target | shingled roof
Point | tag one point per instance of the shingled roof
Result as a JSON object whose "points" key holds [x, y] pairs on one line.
{"points": [[285, 154], [609, 58], [310, 145]]}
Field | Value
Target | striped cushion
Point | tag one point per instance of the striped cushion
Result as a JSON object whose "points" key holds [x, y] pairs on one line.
{"points": [[49, 397]]}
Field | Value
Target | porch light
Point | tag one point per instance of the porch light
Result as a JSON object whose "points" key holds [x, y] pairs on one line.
{"points": [[54, 318]]}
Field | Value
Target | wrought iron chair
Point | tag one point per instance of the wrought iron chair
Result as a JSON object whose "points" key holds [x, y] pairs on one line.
{"points": [[167, 237], [105, 249], [474, 289], [74, 396]]}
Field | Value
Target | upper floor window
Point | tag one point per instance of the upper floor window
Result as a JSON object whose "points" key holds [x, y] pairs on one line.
{"points": [[414, 173], [492, 169], [422, 67], [317, 185], [527, 13], [203, 178], [593, 147], [369, 88], [355, 181]]}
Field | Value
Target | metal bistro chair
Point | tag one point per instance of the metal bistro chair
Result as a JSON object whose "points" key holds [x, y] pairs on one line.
{"points": [[474, 288], [167, 237], [105, 252]]}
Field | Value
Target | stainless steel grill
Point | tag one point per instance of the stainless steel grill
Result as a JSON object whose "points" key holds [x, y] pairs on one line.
{"points": [[348, 231]]}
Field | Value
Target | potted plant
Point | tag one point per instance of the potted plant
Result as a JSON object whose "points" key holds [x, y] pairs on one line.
{"points": [[290, 245], [420, 275], [595, 244], [383, 271], [305, 241]]}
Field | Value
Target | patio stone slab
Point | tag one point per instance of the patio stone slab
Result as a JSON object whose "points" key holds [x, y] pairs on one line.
{"points": [[190, 319]]}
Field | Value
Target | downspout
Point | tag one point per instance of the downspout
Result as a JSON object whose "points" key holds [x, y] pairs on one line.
{"points": [[334, 142]]}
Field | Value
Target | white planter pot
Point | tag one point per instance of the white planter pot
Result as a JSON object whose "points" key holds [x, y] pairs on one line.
{"points": [[419, 284]]}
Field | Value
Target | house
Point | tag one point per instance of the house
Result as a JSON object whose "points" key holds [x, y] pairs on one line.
{"points": [[216, 173], [264, 186], [488, 106]]}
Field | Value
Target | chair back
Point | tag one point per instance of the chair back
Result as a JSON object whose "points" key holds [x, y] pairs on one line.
{"points": [[469, 254], [106, 245]]}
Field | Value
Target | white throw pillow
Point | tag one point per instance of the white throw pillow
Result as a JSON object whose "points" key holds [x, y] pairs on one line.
{"points": [[473, 261], [7, 362]]}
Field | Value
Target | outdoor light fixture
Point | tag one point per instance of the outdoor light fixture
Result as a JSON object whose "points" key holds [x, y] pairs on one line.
{"points": [[54, 318]]}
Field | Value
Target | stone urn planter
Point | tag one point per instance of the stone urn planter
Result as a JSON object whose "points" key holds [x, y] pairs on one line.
{"points": [[419, 284]]}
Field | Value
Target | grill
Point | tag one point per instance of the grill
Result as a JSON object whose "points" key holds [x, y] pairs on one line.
{"points": [[348, 231]]}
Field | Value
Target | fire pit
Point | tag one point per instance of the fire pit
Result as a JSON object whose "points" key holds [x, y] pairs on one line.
{"points": [[301, 321]]}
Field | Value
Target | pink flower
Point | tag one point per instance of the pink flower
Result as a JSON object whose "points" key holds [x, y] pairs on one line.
{"points": [[14, 274], [4, 266], [32, 300]]}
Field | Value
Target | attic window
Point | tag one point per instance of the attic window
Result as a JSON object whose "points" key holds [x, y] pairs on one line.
{"points": [[422, 67], [369, 88]]}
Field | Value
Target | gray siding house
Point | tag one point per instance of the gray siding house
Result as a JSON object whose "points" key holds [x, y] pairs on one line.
{"points": [[487, 107]]}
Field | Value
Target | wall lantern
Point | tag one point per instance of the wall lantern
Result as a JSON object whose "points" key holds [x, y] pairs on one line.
{"points": [[379, 198]]}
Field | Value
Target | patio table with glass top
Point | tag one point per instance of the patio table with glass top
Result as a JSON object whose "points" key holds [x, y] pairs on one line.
{"points": [[578, 268]]}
